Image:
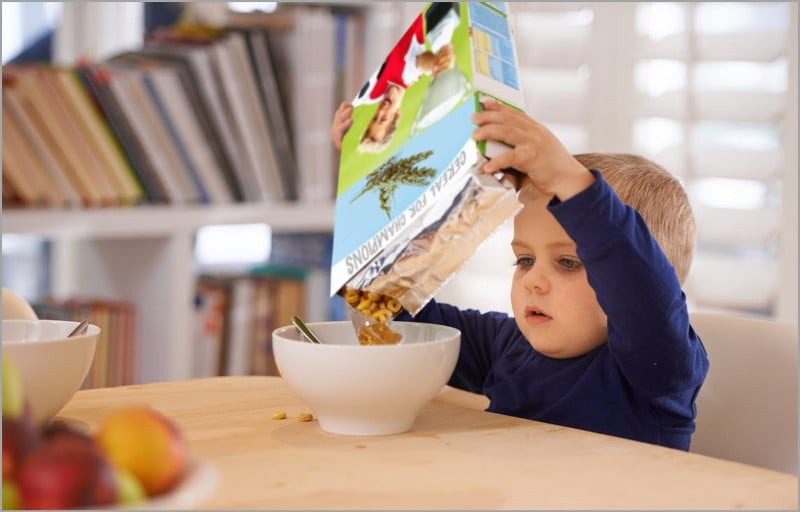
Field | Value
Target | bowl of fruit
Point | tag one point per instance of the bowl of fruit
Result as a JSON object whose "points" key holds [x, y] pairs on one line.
{"points": [[136, 457], [52, 364], [366, 389]]}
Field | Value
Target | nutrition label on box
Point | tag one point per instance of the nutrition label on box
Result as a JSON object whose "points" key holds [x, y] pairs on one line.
{"points": [[494, 55]]}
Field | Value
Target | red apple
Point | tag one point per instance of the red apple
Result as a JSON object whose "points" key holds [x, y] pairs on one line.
{"points": [[66, 471], [61, 438], [20, 438]]}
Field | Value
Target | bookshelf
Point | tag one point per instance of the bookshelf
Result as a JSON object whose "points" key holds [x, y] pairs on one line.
{"points": [[154, 221], [145, 253]]}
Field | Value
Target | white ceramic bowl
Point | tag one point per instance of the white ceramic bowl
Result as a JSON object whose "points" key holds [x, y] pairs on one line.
{"points": [[366, 390], [52, 366]]}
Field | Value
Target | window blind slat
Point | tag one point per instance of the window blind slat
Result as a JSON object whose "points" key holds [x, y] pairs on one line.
{"points": [[520, 9], [724, 226], [554, 97], [729, 106], [673, 46], [719, 280], [736, 162], [670, 104], [755, 46], [746, 106], [546, 46]]}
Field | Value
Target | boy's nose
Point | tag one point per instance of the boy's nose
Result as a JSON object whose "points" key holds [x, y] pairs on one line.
{"points": [[536, 281]]}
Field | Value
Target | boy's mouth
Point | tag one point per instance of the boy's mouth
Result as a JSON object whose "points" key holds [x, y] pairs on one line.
{"points": [[536, 315]]}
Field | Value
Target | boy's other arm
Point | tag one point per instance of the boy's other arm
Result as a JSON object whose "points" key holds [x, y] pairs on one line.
{"points": [[483, 337]]}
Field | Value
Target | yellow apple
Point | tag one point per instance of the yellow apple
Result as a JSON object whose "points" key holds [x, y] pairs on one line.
{"points": [[146, 443]]}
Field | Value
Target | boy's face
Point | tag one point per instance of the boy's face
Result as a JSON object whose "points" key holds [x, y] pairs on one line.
{"points": [[388, 110], [554, 306]]}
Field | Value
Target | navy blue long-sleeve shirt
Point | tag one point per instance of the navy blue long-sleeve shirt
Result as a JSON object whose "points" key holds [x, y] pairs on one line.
{"points": [[641, 384]]}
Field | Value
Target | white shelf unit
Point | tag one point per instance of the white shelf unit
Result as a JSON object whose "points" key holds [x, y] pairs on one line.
{"points": [[144, 255]]}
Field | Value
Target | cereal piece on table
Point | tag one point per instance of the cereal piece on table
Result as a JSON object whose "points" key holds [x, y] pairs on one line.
{"points": [[278, 415], [305, 416]]}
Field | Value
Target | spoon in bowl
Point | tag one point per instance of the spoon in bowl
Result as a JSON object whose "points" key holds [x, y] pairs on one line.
{"points": [[79, 329], [304, 330]]}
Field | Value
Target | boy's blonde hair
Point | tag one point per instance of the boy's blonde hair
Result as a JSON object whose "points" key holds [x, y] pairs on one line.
{"points": [[658, 196]]}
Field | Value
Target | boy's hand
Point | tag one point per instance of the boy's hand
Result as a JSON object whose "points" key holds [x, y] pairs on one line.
{"points": [[536, 153], [342, 119]]}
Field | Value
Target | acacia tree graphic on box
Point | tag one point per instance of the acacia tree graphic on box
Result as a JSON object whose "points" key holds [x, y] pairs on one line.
{"points": [[395, 172]]}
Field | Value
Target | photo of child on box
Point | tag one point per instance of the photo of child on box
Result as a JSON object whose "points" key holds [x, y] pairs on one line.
{"points": [[407, 189]]}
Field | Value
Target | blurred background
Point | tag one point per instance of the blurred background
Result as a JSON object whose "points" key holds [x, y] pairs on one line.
{"points": [[706, 89]]}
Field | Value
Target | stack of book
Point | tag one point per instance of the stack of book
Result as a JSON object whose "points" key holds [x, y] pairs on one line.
{"points": [[194, 116], [115, 356], [235, 316], [236, 310]]}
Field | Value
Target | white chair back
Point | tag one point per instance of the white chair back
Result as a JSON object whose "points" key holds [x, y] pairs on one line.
{"points": [[747, 407]]}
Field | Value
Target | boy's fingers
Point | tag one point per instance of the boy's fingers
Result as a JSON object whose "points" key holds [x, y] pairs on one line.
{"points": [[345, 110], [487, 116], [337, 132], [490, 104], [493, 132], [345, 126], [498, 163], [496, 112], [489, 113]]}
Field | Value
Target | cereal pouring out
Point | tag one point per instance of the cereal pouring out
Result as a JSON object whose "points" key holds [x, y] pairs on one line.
{"points": [[371, 313]]}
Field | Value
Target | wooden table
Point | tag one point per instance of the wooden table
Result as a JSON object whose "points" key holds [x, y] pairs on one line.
{"points": [[455, 457]]}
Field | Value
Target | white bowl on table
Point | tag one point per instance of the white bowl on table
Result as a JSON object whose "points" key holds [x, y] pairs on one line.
{"points": [[52, 367], [366, 390]]}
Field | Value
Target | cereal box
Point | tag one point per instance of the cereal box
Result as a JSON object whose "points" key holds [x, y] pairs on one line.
{"points": [[410, 208]]}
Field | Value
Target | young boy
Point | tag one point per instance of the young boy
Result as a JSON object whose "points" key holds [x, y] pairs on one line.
{"points": [[600, 338]]}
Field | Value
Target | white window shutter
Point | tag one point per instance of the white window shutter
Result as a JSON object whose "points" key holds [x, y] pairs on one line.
{"points": [[713, 98], [787, 297], [553, 42], [709, 91]]}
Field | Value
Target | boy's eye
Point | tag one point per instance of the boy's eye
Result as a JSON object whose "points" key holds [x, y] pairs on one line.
{"points": [[524, 262], [570, 264]]}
